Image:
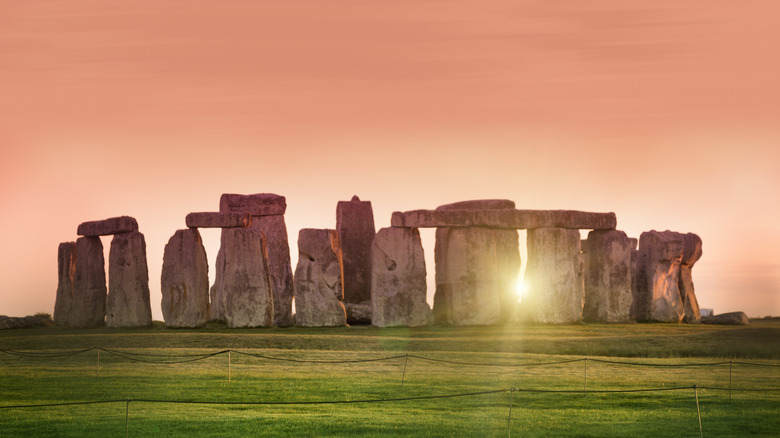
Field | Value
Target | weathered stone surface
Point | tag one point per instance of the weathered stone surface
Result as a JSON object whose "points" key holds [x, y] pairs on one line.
{"points": [[261, 204], [88, 308], [185, 280], [467, 280], [398, 284], [267, 210], [553, 276], [691, 255], [732, 318], [505, 219], [505, 255], [318, 280], [657, 294], [607, 275], [246, 283], [107, 227], [128, 303], [13, 322], [218, 220], [66, 273], [358, 313], [355, 225]]}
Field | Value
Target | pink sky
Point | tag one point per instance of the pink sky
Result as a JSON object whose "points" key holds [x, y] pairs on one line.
{"points": [[665, 112]]}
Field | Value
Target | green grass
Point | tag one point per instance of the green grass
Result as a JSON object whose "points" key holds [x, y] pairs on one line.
{"points": [[25, 380]]}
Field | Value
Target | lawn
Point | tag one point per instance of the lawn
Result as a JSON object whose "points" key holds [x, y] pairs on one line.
{"points": [[432, 381]]}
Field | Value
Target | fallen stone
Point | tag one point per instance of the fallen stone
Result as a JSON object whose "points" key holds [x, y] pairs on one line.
{"points": [[128, 303], [358, 313], [13, 322], [246, 284], [88, 308], [505, 219], [607, 276], [657, 294], [553, 276], [218, 220], [66, 270], [261, 204], [355, 225], [732, 318], [185, 280], [107, 227], [398, 279], [691, 255], [318, 280]]}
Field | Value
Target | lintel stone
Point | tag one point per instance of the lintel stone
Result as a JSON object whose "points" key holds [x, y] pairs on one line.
{"points": [[218, 220], [107, 227], [505, 219], [261, 204]]}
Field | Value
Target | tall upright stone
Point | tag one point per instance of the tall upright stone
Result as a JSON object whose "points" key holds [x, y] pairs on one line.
{"points": [[318, 280], [691, 255], [185, 280], [267, 212], [398, 279], [607, 272], [246, 284], [476, 269], [355, 225], [128, 303], [657, 293], [554, 276], [88, 308], [66, 273]]}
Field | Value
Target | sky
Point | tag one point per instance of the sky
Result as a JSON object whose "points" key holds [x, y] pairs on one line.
{"points": [[664, 112]]}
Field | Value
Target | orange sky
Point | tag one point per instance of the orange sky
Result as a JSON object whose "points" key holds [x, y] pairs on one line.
{"points": [[665, 112]]}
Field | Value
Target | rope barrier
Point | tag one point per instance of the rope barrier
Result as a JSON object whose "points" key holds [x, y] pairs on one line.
{"points": [[129, 355]]}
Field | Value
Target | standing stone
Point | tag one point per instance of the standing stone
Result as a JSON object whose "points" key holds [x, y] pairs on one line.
{"points": [[89, 285], [477, 268], [66, 269], [657, 294], [398, 279], [246, 285], [318, 280], [607, 272], [128, 303], [355, 225], [267, 212], [691, 255], [185, 280], [554, 276]]}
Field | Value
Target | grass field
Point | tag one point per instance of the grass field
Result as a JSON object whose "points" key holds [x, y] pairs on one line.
{"points": [[280, 393]]}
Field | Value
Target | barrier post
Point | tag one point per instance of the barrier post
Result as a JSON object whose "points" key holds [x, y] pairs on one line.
{"points": [[731, 365], [98, 363], [127, 415], [586, 374], [228, 365], [403, 376], [509, 418], [698, 412]]}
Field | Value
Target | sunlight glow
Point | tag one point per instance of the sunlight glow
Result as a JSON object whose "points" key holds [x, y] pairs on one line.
{"points": [[520, 288]]}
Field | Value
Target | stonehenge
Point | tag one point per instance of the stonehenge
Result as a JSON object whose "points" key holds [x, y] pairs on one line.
{"points": [[398, 285], [128, 303], [267, 211], [355, 225], [352, 274], [185, 280], [319, 289], [83, 298]]}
